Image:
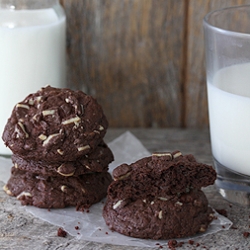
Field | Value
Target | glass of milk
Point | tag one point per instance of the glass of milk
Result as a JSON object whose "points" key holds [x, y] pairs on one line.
{"points": [[227, 44], [32, 51]]}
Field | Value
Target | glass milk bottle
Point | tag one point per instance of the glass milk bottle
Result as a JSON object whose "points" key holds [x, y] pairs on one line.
{"points": [[32, 51]]}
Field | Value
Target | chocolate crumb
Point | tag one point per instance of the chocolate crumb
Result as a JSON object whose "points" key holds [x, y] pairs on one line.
{"points": [[191, 242], [222, 212], [76, 227], [61, 232], [172, 244], [246, 234]]}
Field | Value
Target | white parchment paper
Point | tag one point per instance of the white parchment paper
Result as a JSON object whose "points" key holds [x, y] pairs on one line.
{"points": [[90, 225]]}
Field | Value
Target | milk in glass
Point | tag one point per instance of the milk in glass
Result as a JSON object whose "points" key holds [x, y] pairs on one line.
{"points": [[229, 114], [32, 55]]}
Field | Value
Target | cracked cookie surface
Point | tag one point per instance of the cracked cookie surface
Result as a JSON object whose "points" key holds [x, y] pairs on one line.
{"points": [[56, 125], [160, 197]]}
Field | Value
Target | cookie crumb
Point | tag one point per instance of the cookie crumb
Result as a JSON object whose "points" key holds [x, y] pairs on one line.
{"points": [[61, 232], [222, 212], [172, 244], [191, 242], [246, 234]]}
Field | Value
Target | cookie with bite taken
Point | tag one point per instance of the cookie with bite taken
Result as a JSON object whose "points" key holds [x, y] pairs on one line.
{"points": [[160, 197]]}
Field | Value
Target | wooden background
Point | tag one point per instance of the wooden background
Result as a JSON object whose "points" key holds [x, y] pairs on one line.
{"points": [[143, 60]]}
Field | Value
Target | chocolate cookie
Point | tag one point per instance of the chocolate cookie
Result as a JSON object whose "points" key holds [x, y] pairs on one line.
{"points": [[159, 218], [159, 197], [56, 125], [57, 192], [165, 173], [96, 161]]}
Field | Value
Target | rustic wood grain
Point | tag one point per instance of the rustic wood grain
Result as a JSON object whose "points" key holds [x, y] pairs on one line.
{"points": [[128, 54], [142, 59], [195, 76]]}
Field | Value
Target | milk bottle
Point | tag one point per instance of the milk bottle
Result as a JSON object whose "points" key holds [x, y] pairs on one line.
{"points": [[32, 53]]}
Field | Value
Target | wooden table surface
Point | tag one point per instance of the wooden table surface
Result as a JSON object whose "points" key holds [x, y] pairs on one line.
{"points": [[20, 230]]}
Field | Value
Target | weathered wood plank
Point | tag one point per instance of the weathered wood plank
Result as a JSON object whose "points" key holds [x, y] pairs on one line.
{"points": [[195, 77], [129, 55], [142, 60]]}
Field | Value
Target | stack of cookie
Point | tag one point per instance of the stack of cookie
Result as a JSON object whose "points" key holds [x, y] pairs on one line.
{"points": [[160, 197], [59, 156]]}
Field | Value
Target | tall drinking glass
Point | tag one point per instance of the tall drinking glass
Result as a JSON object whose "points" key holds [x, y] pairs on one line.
{"points": [[227, 44]]}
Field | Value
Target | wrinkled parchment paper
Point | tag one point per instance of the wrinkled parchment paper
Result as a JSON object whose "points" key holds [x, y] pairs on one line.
{"points": [[90, 225]]}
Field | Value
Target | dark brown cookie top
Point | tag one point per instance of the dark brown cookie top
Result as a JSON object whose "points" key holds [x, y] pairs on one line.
{"points": [[96, 161], [160, 175], [57, 192], [181, 216], [55, 125]]}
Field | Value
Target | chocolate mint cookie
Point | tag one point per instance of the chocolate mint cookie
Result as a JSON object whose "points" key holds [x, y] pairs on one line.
{"points": [[165, 174], [158, 217], [159, 197], [57, 192], [95, 161], [56, 125]]}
